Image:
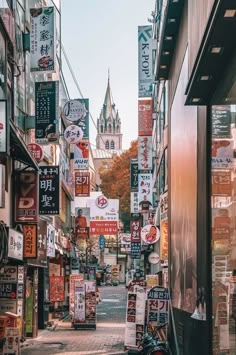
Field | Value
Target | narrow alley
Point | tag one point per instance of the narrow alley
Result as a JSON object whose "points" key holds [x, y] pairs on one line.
{"points": [[108, 338]]}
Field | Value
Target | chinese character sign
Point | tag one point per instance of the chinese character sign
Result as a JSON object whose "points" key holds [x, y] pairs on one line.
{"points": [[82, 184], [145, 117], [145, 152], [49, 188], [145, 192], [134, 175], [42, 40], [46, 111], [145, 62]]}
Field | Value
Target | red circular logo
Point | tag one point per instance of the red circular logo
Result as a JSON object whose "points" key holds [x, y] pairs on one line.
{"points": [[36, 151], [101, 201]]}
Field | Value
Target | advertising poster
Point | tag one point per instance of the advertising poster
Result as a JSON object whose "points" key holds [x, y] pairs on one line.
{"points": [[51, 251], [81, 155], [145, 152], [145, 192], [90, 302], [106, 227], [222, 154], [145, 61], [46, 112], [49, 190], [135, 317], [15, 244], [145, 117], [26, 197], [73, 279], [158, 306], [221, 120], [30, 240], [82, 184], [221, 183], [42, 40], [56, 292], [134, 175], [151, 281], [79, 313], [135, 228], [82, 221]]}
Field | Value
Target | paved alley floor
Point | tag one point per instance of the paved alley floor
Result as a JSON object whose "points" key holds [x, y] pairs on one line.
{"points": [[107, 339]]}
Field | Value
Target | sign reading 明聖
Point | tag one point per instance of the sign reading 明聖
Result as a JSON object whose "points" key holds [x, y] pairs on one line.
{"points": [[49, 187]]}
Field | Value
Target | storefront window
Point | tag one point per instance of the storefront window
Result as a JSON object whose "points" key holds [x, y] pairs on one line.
{"points": [[223, 199]]}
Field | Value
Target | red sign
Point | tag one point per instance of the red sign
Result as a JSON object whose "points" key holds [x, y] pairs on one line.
{"points": [[82, 184], [103, 227], [30, 240], [26, 196], [145, 117], [57, 288], [36, 151]]}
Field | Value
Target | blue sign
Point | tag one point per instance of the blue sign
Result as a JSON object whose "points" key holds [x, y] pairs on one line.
{"points": [[101, 242]]}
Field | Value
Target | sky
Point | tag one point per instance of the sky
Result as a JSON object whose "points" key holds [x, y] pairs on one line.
{"points": [[100, 36]]}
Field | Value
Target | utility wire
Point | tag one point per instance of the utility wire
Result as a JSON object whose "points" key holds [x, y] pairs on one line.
{"points": [[77, 85]]}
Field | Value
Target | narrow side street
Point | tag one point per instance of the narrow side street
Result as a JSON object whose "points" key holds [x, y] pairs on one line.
{"points": [[108, 338]]}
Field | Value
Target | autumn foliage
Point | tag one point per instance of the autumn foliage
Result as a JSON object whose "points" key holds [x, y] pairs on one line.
{"points": [[116, 179]]}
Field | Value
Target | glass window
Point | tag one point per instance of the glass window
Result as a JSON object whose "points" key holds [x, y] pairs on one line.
{"points": [[107, 145], [223, 211], [112, 145]]}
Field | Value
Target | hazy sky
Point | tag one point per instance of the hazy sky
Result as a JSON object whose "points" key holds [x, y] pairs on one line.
{"points": [[99, 35]]}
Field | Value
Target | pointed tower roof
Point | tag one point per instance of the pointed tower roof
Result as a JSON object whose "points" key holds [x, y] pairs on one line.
{"points": [[108, 104]]}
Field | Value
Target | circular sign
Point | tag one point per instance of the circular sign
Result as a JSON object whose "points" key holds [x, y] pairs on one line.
{"points": [[101, 201], [153, 258], [73, 134], [74, 110], [36, 151], [150, 234]]}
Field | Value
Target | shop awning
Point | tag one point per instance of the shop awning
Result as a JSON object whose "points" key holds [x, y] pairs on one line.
{"points": [[19, 149], [214, 55]]}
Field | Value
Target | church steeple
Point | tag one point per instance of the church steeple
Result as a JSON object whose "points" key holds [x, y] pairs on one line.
{"points": [[109, 123]]}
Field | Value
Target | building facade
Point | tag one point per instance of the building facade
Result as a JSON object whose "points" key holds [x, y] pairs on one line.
{"points": [[194, 129]]}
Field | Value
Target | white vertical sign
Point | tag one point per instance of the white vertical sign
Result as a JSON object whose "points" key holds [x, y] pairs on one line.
{"points": [[3, 127]]}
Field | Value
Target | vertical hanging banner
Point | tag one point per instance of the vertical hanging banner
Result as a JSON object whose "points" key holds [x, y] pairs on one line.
{"points": [[145, 117], [51, 251], [49, 190], [3, 126], [42, 40], [26, 196], [82, 184], [145, 152], [145, 62], [158, 306], [81, 155], [134, 203], [134, 175], [46, 112], [30, 240], [135, 228], [145, 192]]}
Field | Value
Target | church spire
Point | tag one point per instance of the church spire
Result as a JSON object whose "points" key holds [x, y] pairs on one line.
{"points": [[108, 101]]}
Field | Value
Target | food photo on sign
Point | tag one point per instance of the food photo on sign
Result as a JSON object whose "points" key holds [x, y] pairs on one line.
{"points": [[150, 234]]}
